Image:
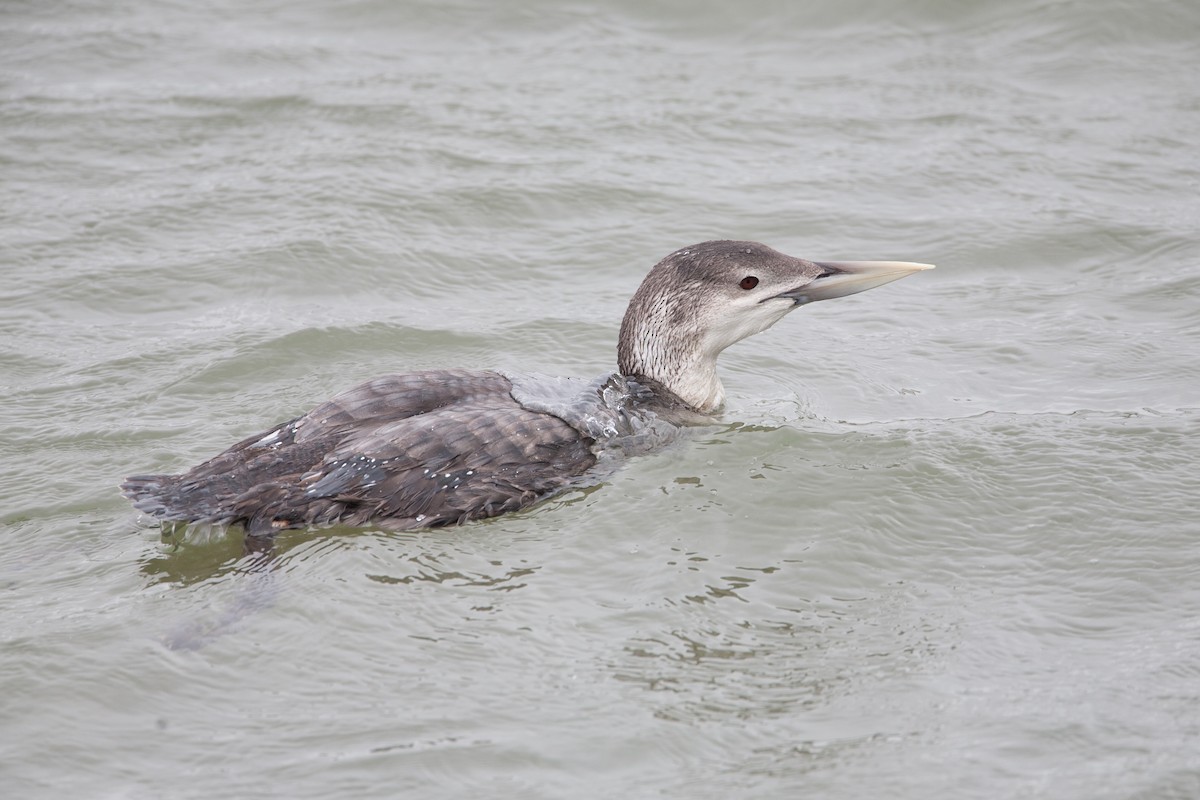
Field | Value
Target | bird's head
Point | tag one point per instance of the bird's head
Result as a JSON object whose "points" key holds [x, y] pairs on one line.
{"points": [[701, 299]]}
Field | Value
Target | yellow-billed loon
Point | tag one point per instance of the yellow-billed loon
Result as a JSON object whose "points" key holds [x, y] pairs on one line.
{"points": [[443, 447]]}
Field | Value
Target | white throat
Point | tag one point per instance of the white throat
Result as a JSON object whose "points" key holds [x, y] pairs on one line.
{"points": [[680, 352]]}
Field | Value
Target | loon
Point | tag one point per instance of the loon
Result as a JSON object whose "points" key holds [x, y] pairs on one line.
{"points": [[444, 447]]}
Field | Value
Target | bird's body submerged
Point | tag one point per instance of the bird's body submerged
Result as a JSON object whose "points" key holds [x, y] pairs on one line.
{"points": [[435, 448]]}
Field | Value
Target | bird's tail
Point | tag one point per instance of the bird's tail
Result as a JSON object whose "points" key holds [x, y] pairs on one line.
{"points": [[161, 497]]}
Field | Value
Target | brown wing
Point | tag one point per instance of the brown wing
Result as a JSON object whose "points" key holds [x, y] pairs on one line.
{"points": [[416, 450]]}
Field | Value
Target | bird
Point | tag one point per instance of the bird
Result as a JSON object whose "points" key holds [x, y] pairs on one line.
{"points": [[444, 447]]}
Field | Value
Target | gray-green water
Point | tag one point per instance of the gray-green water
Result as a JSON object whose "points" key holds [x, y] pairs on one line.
{"points": [[947, 546]]}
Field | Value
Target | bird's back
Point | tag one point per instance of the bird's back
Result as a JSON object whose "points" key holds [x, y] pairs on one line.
{"points": [[421, 449]]}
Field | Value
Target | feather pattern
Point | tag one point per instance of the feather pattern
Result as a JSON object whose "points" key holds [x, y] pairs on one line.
{"points": [[422, 449]]}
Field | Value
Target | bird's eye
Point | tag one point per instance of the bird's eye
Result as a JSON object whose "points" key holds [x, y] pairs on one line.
{"points": [[748, 282]]}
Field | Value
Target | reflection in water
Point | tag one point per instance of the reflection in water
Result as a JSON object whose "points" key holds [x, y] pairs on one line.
{"points": [[257, 591], [203, 558], [206, 555]]}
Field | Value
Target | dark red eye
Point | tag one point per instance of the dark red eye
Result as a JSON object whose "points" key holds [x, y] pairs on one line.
{"points": [[748, 282]]}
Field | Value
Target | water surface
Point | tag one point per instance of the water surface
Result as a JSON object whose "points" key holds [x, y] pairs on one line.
{"points": [[944, 544]]}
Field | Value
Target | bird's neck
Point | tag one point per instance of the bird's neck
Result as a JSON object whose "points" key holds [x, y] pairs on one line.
{"points": [[675, 359]]}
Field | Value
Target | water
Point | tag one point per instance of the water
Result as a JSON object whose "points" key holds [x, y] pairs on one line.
{"points": [[945, 545]]}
